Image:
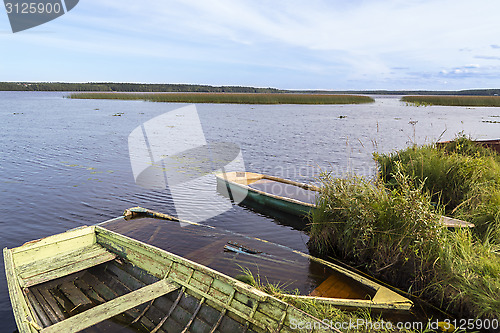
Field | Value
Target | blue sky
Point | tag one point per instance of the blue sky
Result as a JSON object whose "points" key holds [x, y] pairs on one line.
{"points": [[314, 44]]}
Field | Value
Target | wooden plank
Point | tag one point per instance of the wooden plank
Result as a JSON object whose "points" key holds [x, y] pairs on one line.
{"points": [[22, 313], [112, 308], [104, 291], [89, 291], [82, 257], [53, 245], [64, 303], [211, 300], [106, 294], [79, 300], [46, 306], [61, 259], [54, 272], [337, 287], [126, 278], [38, 309], [53, 303]]}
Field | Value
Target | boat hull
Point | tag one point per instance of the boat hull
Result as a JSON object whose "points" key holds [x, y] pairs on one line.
{"points": [[264, 199], [293, 208], [167, 293]]}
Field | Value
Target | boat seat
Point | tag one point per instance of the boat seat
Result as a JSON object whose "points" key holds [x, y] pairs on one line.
{"points": [[63, 264], [112, 308]]}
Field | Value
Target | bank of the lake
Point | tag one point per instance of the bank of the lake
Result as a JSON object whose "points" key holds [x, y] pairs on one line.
{"points": [[390, 226], [231, 98]]}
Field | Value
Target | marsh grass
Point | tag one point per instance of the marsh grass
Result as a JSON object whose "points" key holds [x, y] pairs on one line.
{"points": [[453, 100], [389, 227], [461, 177], [392, 233], [231, 98]]}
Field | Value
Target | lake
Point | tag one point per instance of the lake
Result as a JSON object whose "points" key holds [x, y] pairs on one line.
{"points": [[65, 163]]}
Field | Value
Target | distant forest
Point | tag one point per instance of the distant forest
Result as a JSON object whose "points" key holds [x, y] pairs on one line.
{"points": [[154, 87], [127, 87]]}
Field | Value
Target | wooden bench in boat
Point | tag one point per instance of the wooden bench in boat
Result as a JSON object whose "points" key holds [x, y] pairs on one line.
{"points": [[112, 308], [51, 268]]}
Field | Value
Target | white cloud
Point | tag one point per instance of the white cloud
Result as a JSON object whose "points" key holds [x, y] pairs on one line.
{"points": [[352, 40]]}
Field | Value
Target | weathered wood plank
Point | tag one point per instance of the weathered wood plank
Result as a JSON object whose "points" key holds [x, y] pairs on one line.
{"points": [[45, 306], [38, 309], [89, 291], [68, 256], [22, 313], [53, 303], [126, 278], [62, 265], [53, 245], [79, 300], [112, 308]]}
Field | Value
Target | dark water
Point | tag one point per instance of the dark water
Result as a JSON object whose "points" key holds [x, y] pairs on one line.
{"points": [[65, 163]]}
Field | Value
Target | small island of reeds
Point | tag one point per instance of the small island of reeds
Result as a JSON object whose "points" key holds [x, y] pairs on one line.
{"points": [[231, 98], [470, 101]]}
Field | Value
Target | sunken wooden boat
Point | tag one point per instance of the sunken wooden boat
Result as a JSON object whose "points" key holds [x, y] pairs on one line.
{"points": [[292, 197], [92, 279], [311, 278]]}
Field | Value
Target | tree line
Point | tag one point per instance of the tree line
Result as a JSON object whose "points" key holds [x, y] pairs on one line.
{"points": [[164, 87]]}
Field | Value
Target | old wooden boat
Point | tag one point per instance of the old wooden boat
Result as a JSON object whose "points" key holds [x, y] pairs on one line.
{"points": [[228, 252], [286, 195], [277, 193], [92, 279]]}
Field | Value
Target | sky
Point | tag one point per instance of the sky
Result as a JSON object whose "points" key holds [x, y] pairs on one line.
{"points": [[313, 44]]}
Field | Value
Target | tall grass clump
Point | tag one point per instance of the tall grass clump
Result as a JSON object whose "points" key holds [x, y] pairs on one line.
{"points": [[231, 98], [395, 235], [453, 100], [461, 177]]}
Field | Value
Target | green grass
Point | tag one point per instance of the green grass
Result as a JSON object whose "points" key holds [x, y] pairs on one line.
{"points": [[461, 177], [453, 100], [231, 98], [393, 233]]}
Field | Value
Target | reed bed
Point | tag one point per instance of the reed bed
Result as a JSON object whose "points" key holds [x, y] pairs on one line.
{"points": [[390, 228], [231, 98], [470, 101], [461, 177]]}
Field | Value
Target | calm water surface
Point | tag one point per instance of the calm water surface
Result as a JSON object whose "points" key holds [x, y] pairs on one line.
{"points": [[64, 163]]}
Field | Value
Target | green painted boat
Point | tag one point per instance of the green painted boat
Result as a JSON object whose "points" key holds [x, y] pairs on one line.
{"points": [[285, 195], [94, 280], [292, 197]]}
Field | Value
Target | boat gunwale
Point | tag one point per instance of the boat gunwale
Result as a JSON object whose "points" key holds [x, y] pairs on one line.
{"points": [[178, 259]]}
